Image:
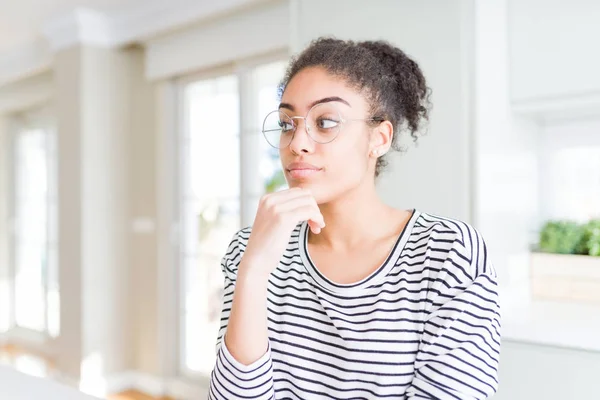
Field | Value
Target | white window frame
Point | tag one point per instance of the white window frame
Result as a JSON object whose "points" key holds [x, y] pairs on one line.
{"points": [[37, 118]]}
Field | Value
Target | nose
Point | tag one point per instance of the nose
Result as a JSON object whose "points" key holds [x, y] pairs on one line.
{"points": [[301, 141]]}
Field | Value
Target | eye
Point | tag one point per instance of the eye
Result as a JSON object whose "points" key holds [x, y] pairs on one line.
{"points": [[286, 126], [327, 123]]}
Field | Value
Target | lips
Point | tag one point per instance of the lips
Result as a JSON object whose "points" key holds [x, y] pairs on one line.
{"points": [[300, 170]]}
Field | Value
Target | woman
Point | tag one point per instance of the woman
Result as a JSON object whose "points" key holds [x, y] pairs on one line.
{"points": [[333, 294]]}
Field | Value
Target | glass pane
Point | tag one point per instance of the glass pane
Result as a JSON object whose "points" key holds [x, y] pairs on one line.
{"points": [[267, 80], [572, 183], [204, 284], [31, 228], [5, 304], [210, 211], [213, 128], [53, 294]]}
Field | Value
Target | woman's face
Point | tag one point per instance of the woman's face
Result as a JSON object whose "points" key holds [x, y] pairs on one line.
{"points": [[331, 169]]}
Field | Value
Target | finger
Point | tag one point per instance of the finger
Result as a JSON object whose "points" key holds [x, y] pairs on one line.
{"points": [[306, 213], [302, 202], [295, 202], [314, 227]]}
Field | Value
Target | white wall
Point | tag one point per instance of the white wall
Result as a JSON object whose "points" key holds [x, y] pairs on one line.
{"points": [[67, 75], [433, 177], [263, 29], [142, 215], [4, 227], [94, 112], [505, 148], [554, 48], [26, 93], [106, 111]]}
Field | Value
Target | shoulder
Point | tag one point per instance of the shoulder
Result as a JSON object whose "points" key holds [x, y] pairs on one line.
{"points": [[455, 243], [438, 227], [237, 247]]}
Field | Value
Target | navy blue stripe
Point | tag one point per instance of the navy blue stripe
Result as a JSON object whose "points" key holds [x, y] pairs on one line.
{"points": [[336, 377], [438, 386], [346, 339], [329, 344], [321, 383], [337, 367]]}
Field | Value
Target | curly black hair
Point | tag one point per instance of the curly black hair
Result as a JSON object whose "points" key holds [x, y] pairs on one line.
{"points": [[392, 82]]}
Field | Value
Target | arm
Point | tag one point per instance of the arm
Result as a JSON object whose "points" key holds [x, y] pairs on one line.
{"points": [[460, 348], [244, 368]]}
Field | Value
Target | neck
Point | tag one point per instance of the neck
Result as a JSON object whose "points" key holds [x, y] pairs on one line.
{"points": [[357, 216]]}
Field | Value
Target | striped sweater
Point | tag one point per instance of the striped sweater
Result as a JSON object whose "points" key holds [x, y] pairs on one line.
{"points": [[424, 325]]}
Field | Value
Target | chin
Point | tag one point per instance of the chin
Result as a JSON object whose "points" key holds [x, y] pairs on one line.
{"points": [[300, 184]]}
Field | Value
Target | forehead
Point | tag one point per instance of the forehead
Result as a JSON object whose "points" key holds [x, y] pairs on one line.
{"points": [[315, 83]]}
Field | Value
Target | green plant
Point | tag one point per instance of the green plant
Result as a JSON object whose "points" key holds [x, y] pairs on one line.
{"points": [[567, 237], [562, 237], [591, 238]]}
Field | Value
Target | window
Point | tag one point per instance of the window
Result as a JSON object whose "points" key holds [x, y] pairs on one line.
{"points": [[30, 294], [267, 78], [225, 167]]}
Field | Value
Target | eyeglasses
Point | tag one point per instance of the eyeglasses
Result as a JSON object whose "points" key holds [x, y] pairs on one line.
{"points": [[323, 123]]}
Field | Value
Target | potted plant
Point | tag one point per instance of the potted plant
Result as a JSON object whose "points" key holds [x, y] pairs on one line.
{"points": [[566, 263]]}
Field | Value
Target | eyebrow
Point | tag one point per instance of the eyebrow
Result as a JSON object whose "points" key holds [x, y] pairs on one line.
{"points": [[324, 100]]}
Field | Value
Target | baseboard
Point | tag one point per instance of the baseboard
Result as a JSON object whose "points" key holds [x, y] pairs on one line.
{"points": [[135, 380]]}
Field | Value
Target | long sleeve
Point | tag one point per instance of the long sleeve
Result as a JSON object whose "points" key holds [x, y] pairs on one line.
{"points": [[230, 379], [460, 348]]}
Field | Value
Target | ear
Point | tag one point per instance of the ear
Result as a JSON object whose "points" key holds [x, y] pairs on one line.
{"points": [[381, 138]]}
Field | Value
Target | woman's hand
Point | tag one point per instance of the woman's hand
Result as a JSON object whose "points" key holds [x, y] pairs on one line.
{"points": [[277, 216]]}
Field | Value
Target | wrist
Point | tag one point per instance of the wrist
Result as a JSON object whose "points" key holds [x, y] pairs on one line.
{"points": [[253, 272]]}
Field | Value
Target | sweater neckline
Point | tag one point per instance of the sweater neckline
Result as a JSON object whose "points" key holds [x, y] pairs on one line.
{"points": [[375, 277]]}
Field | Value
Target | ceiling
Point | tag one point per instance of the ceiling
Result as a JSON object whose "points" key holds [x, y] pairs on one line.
{"points": [[21, 21], [31, 29]]}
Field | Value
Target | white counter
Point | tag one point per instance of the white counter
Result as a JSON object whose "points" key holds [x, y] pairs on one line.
{"points": [[15, 385], [561, 324]]}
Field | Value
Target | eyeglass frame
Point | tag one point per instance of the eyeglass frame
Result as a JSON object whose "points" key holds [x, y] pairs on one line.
{"points": [[307, 126]]}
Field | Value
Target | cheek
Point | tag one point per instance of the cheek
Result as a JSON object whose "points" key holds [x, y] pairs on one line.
{"points": [[347, 163]]}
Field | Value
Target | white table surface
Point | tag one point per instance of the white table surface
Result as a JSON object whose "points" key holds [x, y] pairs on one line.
{"points": [[15, 385], [552, 323]]}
